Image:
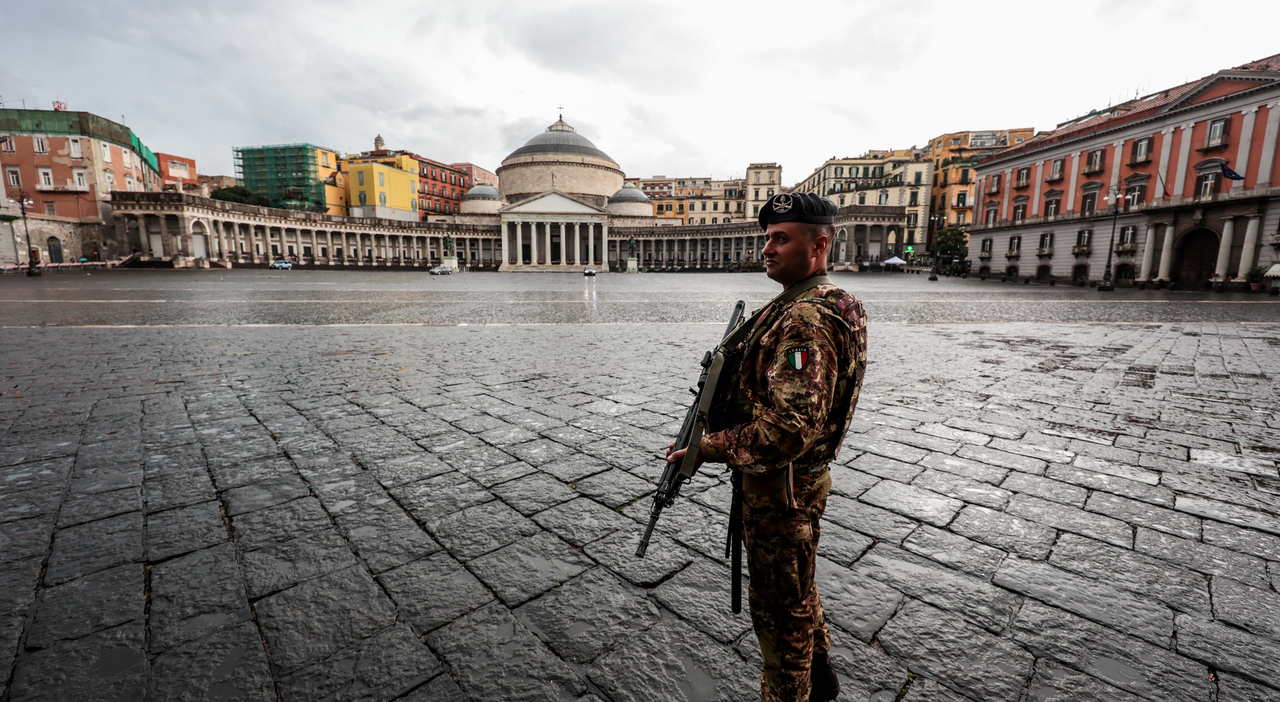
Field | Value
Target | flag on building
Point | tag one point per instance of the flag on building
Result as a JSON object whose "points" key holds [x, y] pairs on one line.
{"points": [[1230, 174]]}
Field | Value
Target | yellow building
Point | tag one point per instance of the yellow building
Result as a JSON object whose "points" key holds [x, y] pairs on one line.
{"points": [[379, 190], [329, 168]]}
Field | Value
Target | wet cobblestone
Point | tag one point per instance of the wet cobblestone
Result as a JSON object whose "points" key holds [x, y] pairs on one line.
{"points": [[1066, 498]]}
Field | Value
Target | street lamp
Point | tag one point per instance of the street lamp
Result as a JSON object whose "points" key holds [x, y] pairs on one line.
{"points": [[1113, 197], [22, 202]]}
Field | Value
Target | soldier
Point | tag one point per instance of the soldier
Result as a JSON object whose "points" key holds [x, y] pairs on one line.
{"points": [[794, 388]]}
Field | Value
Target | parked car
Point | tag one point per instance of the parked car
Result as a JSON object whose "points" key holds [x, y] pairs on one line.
{"points": [[441, 270], [589, 271], [281, 264]]}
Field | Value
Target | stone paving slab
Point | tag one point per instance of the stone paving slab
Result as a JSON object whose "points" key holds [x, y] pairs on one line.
{"points": [[1038, 512]]}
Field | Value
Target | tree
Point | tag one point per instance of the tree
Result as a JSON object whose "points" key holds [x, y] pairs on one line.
{"points": [[950, 243], [240, 194]]}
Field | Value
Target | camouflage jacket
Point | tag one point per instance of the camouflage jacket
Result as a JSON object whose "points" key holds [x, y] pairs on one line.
{"points": [[793, 393]]}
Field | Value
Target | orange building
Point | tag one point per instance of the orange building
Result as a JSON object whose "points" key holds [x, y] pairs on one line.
{"points": [[440, 186], [1186, 178], [177, 171]]}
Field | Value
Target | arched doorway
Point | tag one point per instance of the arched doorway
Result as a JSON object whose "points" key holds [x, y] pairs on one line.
{"points": [[1125, 273], [1197, 257], [1044, 272], [984, 271], [1080, 273], [55, 249], [1011, 272]]}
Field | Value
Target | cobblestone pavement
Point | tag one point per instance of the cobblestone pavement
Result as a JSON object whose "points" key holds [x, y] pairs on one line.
{"points": [[1021, 512]]}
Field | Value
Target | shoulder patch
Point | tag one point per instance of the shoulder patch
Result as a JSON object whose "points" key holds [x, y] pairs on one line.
{"points": [[798, 357]]}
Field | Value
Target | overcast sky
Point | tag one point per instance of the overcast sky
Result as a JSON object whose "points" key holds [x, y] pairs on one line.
{"points": [[672, 88]]}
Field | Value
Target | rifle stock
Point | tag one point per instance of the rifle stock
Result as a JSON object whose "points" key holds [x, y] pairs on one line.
{"points": [[674, 475]]}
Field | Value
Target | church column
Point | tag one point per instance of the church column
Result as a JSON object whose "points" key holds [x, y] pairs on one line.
{"points": [[564, 248], [1166, 252], [1250, 247], [546, 239], [1246, 141], [500, 256], [591, 244], [577, 244], [1148, 253], [604, 238], [1224, 249]]}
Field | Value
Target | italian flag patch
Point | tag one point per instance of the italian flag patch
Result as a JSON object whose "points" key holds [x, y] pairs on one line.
{"points": [[797, 358]]}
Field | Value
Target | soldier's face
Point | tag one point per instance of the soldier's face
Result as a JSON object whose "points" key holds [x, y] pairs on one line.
{"points": [[790, 255]]}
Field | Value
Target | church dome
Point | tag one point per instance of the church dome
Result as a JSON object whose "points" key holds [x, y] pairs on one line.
{"points": [[560, 138], [482, 191], [629, 193]]}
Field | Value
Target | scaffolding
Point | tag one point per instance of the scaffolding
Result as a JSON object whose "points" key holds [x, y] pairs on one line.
{"points": [[14, 121], [285, 174]]}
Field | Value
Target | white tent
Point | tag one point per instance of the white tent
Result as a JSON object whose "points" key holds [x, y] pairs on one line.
{"points": [[895, 261], [1273, 272]]}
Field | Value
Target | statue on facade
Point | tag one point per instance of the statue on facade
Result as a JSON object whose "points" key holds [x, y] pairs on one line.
{"points": [[448, 245], [631, 247]]}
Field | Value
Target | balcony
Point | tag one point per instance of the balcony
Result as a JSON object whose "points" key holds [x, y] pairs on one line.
{"points": [[67, 188], [1045, 252], [1092, 169], [962, 205], [1126, 248], [984, 255], [1053, 178], [1021, 184], [1082, 250], [1013, 253]]}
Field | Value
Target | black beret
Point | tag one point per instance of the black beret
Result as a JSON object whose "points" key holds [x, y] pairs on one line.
{"points": [[797, 207]]}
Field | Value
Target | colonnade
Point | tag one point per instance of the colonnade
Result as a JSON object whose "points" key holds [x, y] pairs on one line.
{"points": [[163, 236], [553, 242]]}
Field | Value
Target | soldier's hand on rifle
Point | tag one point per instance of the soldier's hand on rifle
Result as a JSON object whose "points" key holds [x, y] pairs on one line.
{"points": [[677, 456]]}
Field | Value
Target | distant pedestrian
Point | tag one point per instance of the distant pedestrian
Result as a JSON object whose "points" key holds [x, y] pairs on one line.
{"points": [[795, 383]]}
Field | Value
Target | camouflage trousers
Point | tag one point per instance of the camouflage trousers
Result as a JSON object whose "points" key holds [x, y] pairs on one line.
{"points": [[780, 535]]}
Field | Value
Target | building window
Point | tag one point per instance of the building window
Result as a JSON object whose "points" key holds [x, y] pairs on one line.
{"points": [[964, 176], [914, 199], [1015, 244], [960, 217], [702, 220], [987, 245], [919, 177], [1217, 133], [1024, 177], [1019, 212], [1046, 241], [1095, 161], [82, 182], [839, 171], [324, 158], [51, 209], [1088, 203], [713, 220], [1084, 237], [771, 190], [1052, 206], [106, 152], [382, 179], [46, 177], [75, 148], [991, 216], [884, 197], [7, 144], [13, 178], [1128, 235], [111, 181], [842, 200], [1207, 185], [993, 183], [1055, 170], [360, 180], [362, 197], [913, 219], [1141, 151], [704, 207], [1135, 195], [41, 144]]}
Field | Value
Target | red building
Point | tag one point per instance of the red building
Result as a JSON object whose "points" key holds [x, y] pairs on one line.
{"points": [[1186, 177], [175, 170]]}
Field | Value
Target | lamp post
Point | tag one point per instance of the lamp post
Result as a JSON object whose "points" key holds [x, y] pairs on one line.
{"points": [[23, 201], [1113, 197]]}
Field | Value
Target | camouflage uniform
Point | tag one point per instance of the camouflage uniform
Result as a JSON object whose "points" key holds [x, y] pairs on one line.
{"points": [[795, 394]]}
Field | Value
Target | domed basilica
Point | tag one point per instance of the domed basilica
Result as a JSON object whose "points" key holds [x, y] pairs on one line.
{"points": [[559, 196]]}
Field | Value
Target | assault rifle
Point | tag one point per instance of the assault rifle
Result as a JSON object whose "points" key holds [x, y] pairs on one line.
{"points": [[674, 475]]}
